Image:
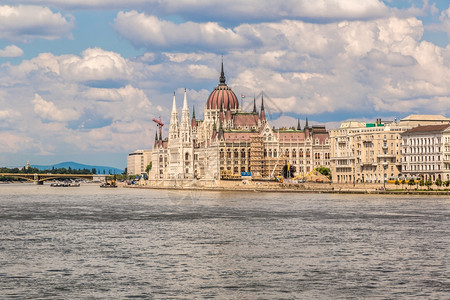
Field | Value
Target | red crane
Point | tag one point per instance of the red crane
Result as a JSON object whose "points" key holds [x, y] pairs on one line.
{"points": [[159, 124]]}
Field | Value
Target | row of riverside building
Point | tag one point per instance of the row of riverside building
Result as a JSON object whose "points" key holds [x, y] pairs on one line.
{"points": [[230, 144]]}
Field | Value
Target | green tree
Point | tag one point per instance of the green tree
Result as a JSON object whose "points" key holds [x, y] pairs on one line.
{"points": [[438, 182], [148, 168], [397, 182], [324, 171], [428, 183], [411, 182]]}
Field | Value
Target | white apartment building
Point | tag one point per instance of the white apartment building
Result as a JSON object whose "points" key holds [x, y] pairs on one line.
{"points": [[138, 161], [446, 139], [372, 152], [426, 152], [365, 152]]}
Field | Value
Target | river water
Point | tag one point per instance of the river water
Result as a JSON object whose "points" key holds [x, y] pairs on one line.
{"points": [[87, 242]]}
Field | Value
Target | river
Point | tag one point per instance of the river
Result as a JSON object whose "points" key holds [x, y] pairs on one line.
{"points": [[87, 242]]}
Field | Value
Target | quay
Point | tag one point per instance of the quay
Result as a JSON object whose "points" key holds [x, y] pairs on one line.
{"points": [[270, 187]]}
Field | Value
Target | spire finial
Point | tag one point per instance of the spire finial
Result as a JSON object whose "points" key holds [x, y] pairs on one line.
{"points": [[262, 116], [262, 101], [222, 74], [174, 104], [193, 111], [254, 104]]}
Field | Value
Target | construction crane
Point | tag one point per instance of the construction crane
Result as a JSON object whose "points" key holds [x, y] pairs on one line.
{"points": [[159, 124]]}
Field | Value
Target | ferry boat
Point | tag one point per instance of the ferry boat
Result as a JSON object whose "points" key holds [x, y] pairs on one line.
{"points": [[64, 184]]}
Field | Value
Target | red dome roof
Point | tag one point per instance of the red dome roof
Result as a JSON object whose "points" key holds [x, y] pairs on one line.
{"points": [[222, 96]]}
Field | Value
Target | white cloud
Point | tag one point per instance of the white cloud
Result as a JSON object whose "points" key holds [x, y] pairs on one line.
{"points": [[95, 64], [12, 143], [11, 51], [8, 114], [150, 31], [48, 111], [244, 11], [26, 22], [444, 24], [89, 4]]}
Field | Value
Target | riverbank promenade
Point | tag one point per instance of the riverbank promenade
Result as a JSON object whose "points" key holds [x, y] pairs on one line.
{"points": [[307, 187]]}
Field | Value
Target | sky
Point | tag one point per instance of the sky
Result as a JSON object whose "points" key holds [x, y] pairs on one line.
{"points": [[81, 80]]}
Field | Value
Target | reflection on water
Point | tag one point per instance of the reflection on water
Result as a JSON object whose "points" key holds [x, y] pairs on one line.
{"points": [[89, 242]]}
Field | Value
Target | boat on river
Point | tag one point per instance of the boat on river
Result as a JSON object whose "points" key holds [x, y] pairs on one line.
{"points": [[65, 184], [111, 184], [108, 185]]}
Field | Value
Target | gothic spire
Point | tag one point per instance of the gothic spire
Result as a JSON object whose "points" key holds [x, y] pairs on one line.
{"points": [[222, 75], [262, 102], [185, 106], [254, 104], [174, 104], [306, 123], [262, 116], [298, 125]]}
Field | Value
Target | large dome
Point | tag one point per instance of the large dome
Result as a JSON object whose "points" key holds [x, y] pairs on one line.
{"points": [[222, 96]]}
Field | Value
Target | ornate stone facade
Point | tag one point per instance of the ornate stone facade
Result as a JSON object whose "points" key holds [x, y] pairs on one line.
{"points": [[229, 142]]}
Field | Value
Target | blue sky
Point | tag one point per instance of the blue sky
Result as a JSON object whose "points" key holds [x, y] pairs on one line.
{"points": [[81, 79]]}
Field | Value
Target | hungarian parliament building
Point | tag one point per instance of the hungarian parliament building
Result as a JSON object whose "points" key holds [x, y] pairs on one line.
{"points": [[232, 144], [229, 142]]}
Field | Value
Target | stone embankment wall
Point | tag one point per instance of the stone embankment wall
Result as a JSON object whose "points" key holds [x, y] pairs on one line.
{"points": [[311, 187]]}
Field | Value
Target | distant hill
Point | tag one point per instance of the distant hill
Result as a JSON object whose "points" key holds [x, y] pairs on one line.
{"points": [[77, 166]]}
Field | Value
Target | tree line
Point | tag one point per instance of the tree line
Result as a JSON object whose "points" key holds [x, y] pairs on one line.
{"points": [[53, 170]]}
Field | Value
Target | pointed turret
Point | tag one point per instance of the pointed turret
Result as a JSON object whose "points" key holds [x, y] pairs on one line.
{"points": [[222, 78], [185, 128], [254, 104], [220, 133], [221, 112], [306, 129], [194, 121], [214, 132], [174, 124], [174, 104], [185, 105], [298, 125], [262, 116], [228, 116]]}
